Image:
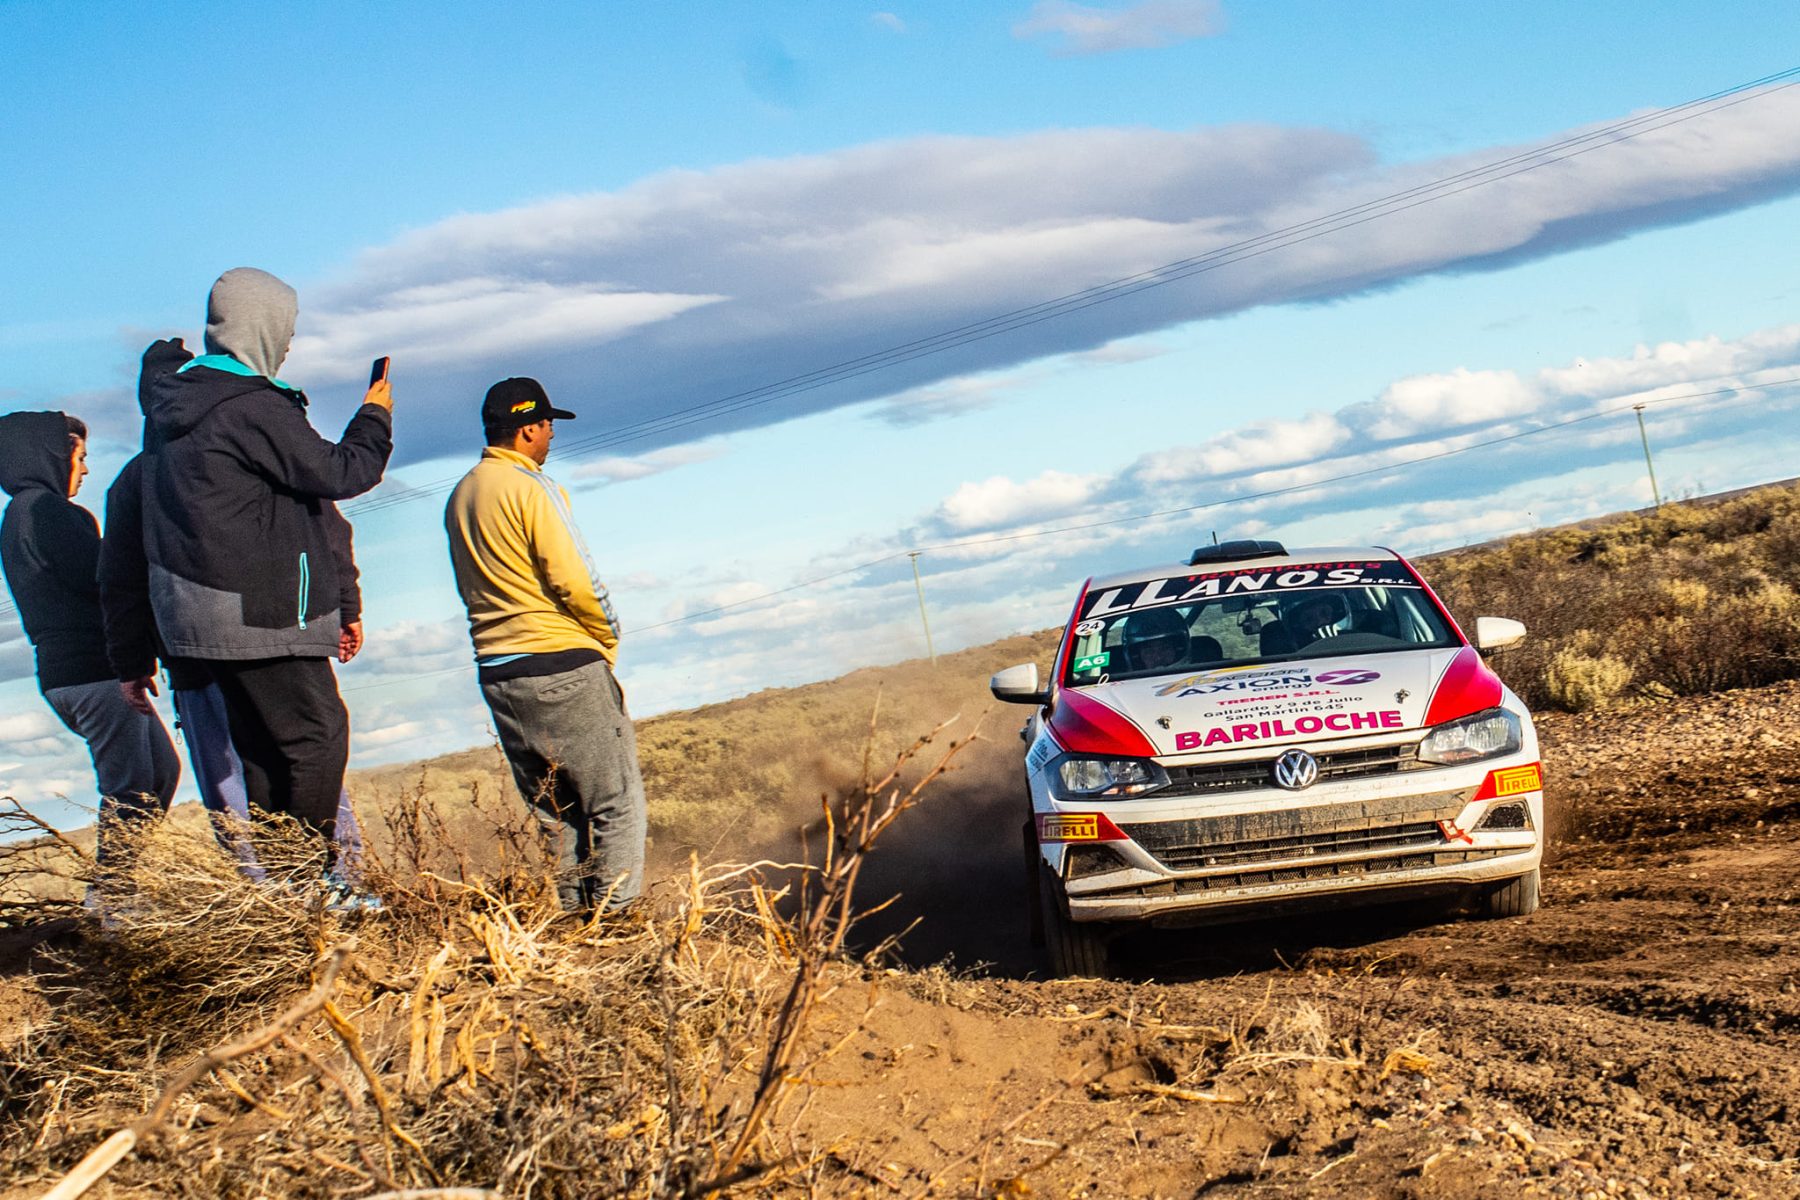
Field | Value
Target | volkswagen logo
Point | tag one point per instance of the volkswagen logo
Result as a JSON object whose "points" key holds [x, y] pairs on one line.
{"points": [[1295, 770]]}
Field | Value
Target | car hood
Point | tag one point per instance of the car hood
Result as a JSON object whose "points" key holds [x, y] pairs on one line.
{"points": [[1315, 699]]}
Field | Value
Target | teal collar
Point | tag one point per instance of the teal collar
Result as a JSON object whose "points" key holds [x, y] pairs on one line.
{"points": [[231, 366]]}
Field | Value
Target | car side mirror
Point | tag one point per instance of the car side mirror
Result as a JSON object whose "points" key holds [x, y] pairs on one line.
{"points": [[1497, 633], [1018, 685]]}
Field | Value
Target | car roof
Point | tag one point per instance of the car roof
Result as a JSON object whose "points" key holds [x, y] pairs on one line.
{"points": [[1305, 556]]}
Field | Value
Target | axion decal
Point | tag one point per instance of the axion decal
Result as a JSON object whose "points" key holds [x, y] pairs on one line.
{"points": [[1257, 683], [1169, 689], [1177, 589], [1257, 731], [1266, 681], [1347, 676]]}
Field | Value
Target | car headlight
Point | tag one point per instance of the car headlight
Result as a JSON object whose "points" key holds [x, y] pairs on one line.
{"points": [[1089, 777], [1484, 735]]}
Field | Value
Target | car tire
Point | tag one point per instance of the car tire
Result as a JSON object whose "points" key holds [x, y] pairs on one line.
{"points": [[1034, 886], [1514, 898], [1072, 949]]}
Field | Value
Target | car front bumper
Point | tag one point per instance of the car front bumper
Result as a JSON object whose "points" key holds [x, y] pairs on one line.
{"points": [[1344, 844]]}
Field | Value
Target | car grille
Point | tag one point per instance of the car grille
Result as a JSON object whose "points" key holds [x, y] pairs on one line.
{"points": [[1305, 872], [1367, 828], [1208, 779]]}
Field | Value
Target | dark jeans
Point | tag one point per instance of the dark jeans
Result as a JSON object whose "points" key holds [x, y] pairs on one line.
{"points": [[219, 775], [134, 762], [573, 754], [292, 734]]}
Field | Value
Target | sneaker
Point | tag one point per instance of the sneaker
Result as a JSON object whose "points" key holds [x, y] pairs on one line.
{"points": [[95, 907], [345, 900]]}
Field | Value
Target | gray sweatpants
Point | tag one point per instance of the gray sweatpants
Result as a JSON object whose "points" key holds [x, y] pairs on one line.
{"points": [[573, 754], [134, 761]]}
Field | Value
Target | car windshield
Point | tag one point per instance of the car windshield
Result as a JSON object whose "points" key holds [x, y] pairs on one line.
{"points": [[1251, 615]]}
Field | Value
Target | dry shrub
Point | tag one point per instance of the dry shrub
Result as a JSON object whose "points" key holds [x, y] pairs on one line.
{"points": [[183, 925], [1581, 680], [188, 948], [43, 871]]}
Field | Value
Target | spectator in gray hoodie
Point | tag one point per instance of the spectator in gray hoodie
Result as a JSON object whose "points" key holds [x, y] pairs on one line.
{"points": [[242, 557]]}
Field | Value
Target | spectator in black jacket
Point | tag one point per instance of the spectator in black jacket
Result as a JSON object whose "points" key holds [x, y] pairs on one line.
{"points": [[241, 554], [135, 649], [49, 550]]}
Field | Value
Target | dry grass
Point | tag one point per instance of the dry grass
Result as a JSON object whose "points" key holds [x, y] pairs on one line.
{"points": [[472, 1035]]}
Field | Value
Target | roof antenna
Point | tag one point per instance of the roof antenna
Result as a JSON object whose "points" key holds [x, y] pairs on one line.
{"points": [[1215, 537]]}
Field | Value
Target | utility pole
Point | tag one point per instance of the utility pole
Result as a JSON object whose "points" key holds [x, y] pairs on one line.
{"points": [[1655, 492], [923, 620]]}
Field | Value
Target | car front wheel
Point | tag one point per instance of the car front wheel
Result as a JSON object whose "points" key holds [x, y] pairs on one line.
{"points": [[1514, 898], [1075, 949]]}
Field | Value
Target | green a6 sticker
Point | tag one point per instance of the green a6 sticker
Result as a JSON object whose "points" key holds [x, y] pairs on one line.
{"points": [[1093, 662]]}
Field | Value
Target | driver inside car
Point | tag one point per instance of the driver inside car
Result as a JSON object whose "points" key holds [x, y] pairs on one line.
{"points": [[1305, 619], [1155, 639]]}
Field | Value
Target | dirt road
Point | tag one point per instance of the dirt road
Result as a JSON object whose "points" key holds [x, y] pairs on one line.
{"points": [[1638, 1036]]}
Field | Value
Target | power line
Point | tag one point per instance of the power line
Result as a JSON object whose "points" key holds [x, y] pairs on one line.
{"points": [[1599, 138], [1130, 518]]}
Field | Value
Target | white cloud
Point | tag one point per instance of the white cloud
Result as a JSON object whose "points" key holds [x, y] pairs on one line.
{"points": [[1444, 401], [601, 471], [27, 726], [411, 647], [1001, 501], [695, 291], [1259, 445], [1676, 362], [888, 20], [1088, 29], [471, 320]]}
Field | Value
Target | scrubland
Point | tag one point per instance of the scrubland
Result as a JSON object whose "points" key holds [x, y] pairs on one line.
{"points": [[1639, 1036]]}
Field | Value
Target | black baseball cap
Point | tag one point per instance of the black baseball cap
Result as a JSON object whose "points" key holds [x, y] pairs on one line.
{"points": [[516, 402]]}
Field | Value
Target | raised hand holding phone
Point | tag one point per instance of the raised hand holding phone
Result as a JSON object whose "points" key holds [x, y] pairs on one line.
{"points": [[379, 393]]}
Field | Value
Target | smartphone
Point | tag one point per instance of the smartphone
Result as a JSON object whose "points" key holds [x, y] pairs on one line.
{"points": [[379, 371]]}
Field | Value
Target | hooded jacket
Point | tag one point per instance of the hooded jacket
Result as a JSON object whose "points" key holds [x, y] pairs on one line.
{"points": [[132, 642], [240, 540], [49, 546]]}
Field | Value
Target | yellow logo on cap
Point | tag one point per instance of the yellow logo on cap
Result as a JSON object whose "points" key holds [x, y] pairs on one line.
{"points": [[524, 406]]}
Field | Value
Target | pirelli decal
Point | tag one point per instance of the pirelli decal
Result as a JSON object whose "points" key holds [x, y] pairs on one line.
{"points": [[1513, 781], [1071, 827]]}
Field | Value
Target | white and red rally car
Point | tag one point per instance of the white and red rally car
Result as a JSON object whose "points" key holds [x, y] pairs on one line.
{"points": [[1260, 730]]}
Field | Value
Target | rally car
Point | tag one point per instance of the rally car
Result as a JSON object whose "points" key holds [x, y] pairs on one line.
{"points": [[1261, 730]]}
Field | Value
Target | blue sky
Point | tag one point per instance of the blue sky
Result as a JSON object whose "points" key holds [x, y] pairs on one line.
{"points": [[655, 207]]}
